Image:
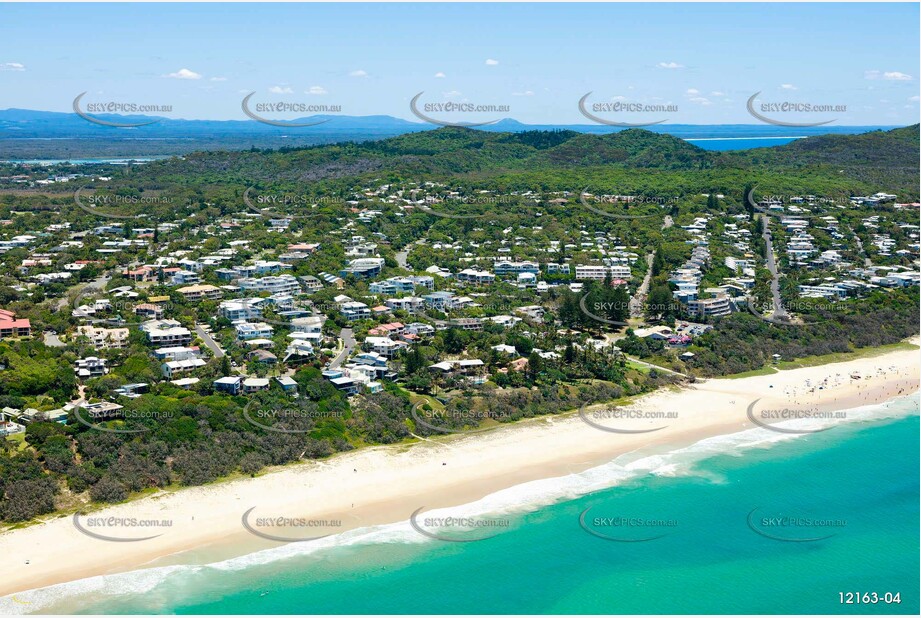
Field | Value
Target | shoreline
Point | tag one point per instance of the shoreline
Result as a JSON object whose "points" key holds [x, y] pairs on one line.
{"points": [[386, 484]]}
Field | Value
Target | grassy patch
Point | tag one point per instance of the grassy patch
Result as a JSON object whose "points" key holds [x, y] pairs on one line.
{"points": [[637, 367], [764, 371], [840, 357]]}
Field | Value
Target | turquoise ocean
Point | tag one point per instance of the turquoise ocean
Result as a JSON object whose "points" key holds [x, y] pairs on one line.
{"points": [[753, 522]]}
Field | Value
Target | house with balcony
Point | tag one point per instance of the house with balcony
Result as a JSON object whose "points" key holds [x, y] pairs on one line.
{"points": [[355, 310], [384, 346], [476, 277], [105, 338], [172, 368], [503, 268], [166, 333], [241, 309], [253, 330], [710, 307], [409, 304], [11, 327], [280, 284], [363, 267], [232, 385], [196, 293], [90, 367]]}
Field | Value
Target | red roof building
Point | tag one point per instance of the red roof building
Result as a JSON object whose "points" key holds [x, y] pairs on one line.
{"points": [[11, 327]]}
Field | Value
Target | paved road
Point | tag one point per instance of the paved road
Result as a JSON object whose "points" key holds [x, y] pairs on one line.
{"points": [[866, 259], [52, 341], [348, 344], [98, 283], [210, 343], [656, 367], [779, 312], [636, 303], [401, 256]]}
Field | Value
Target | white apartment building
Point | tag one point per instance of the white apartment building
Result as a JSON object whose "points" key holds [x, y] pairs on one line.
{"points": [[598, 272]]}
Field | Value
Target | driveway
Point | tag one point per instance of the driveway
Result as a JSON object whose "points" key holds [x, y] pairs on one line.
{"points": [[348, 344], [210, 343]]}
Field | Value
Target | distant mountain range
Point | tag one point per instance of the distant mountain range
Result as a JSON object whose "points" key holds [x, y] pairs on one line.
{"points": [[31, 133]]}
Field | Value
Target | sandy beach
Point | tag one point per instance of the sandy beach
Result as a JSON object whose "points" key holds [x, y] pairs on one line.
{"points": [[387, 484]]}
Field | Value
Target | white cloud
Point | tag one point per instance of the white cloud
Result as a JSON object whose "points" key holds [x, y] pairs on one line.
{"points": [[693, 91], [184, 74], [717, 93], [219, 79], [788, 87], [619, 98], [888, 75], [670, 65], [526, 93], [358, 73], [700, 100], [491, 63], [915, 98], [280, 90], [451, 93], [12, 66], [316, 90], [439, 75]]}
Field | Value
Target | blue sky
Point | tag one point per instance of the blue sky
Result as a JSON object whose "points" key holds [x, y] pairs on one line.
{"points": [[538, 59]]}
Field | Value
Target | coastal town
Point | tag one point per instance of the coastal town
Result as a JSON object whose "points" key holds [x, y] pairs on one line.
{"points": [[142, 305]]}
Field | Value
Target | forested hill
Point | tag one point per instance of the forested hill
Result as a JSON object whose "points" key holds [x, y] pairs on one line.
{"points": [[885, 159], [895, 148]]}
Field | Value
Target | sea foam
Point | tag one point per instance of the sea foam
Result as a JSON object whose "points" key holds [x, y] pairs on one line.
{"points": [[516, 500]]}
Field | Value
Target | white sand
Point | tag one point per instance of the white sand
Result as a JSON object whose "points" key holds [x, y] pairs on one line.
{"points": [[386, 484]]}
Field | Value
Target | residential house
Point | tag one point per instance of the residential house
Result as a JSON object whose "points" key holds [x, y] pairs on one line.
{"points": [[11, 327]]}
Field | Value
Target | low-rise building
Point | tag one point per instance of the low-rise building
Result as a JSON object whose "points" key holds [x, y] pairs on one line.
{"points": [[105, 338], [90, 367], [200, 292], [11, 327], [166, 333]]}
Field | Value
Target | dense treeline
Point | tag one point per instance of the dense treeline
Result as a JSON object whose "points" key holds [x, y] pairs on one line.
{"points": [[742, 342]]}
